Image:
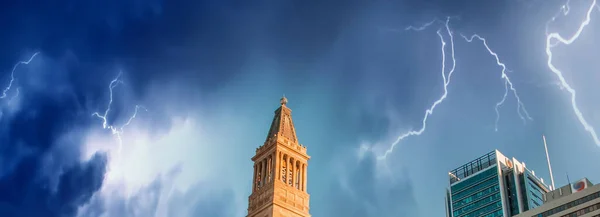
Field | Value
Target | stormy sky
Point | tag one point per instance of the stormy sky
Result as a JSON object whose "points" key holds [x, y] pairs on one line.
{"points": [[203, 79]]}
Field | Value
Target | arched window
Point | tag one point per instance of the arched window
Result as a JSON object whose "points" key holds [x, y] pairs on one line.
{"points": [[263, 179], [270, 169], [283, 168], [259, 176], [290, 173], [255, 177], [297, 170]]}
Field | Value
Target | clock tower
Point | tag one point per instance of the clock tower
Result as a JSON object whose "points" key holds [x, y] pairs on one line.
{"points": [[280, 168]]}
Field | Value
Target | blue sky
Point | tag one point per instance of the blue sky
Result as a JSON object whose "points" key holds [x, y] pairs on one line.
{"points": [[206, 77]]}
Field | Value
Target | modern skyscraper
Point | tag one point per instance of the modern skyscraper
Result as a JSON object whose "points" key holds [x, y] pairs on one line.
{"points": [[280, 168], [492, 186], [580, 198]]}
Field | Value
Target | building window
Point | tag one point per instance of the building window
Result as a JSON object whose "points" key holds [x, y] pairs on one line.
{"points": [[583, 211], [572, 204]]}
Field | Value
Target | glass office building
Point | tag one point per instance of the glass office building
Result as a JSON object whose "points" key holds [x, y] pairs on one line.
{"points": [[493, 186]]}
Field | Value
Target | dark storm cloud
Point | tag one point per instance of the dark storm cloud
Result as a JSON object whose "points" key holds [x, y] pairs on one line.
{"points": [[26, 193], [65, 24], [78, 184], [210, 42], [39, 145], [204, 41]]}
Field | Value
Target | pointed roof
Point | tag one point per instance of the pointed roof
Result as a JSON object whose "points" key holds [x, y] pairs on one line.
{"points": [[282, 124]]}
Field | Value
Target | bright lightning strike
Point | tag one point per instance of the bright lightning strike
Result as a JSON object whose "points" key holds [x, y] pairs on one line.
{"points": [[12, 74], [116, 131], [523, 114], [507, 84], [446, 82], [558, 39], [565, 11], [421, 28]]}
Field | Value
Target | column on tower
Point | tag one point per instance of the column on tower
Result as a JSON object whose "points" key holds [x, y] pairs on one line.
{"points": [[295, 164], [254, 179], [293, 173], [264, 173], [304, 178], [277, 162], [272, 164], [301, 174]]}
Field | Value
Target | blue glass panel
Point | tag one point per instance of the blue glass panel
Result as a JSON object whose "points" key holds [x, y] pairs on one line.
{"points": [[474, 179]]}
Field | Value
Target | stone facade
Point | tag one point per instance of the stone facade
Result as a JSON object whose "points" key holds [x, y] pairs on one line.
{"points": [[279, 187]]}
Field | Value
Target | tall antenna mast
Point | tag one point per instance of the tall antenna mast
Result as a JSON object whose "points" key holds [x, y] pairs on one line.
{"points": [[548, 158]]}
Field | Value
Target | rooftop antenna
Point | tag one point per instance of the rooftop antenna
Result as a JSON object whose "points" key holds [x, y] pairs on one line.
{"points": [[568, 180], [548, 158]]}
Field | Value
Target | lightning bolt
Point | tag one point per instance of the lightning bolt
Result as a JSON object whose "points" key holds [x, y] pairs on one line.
{"points": [[12, 74], [446, 80], [421, 28], [564, 10], [507, 84], [521, 110], [558, 39], [116, 131]]}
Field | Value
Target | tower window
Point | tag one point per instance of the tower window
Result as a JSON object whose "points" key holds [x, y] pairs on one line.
{"points": [[298, 179], [284, 169], [258, 181], [283, 173], [270, 170]]}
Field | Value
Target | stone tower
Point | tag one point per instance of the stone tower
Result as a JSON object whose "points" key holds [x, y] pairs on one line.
{"points": [[280, 168]]}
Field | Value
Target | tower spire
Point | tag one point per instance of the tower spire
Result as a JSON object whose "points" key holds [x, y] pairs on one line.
{"points": [[282, 124]]}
